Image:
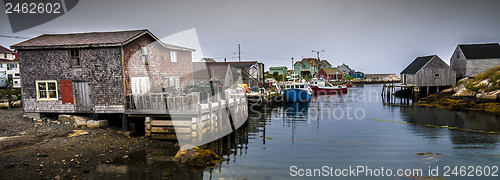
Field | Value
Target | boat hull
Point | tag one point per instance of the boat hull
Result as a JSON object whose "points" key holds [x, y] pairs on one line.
{"points": [[328, 90], [296, 95]]}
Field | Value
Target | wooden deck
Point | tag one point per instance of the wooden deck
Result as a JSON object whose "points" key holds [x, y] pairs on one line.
{"points": [[189, 119]]}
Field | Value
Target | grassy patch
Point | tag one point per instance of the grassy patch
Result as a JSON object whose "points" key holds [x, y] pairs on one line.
{"points": [[493, 77]]}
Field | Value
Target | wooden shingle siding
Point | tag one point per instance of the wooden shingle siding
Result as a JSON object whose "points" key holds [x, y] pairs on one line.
{"points": [[102, 79], [100, 66]]}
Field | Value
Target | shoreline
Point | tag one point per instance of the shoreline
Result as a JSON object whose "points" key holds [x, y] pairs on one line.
{"points": [[445, 100]]}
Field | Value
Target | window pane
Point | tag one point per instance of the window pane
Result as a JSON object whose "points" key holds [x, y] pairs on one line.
{"points": [[41, 86], [173, 56], [52, 94], [42, 94], [52, 86]]}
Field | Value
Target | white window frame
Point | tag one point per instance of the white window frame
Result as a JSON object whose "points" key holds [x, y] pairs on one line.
{"points": [[173, 56], [47, 98], [144, 55]]}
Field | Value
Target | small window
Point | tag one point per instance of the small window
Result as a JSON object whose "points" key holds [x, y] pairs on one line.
{"points": [[5, 55], [17, 74], [302, 86], [74, 57], [46, 90], [173, 56], [11, 66], [144, 55], [436, 75], [458, 55]]}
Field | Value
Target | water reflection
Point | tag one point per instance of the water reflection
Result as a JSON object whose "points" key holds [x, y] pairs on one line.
{"points": [[467, 129], [305, 135]]}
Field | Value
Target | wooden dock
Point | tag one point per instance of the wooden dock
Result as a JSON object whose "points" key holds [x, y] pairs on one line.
{"points": [[389, 94], [192, 118], [264, 97]]}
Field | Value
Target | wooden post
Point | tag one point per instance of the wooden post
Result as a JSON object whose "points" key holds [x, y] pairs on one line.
{"points": [[125, 125]]}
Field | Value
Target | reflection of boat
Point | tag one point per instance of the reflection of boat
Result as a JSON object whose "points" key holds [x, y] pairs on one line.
{"points": [[320, 87], [297, 92], [297, 107]]}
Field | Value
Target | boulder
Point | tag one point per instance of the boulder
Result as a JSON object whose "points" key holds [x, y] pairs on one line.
{"points": [[80, 123], [460, 85], [195, 156], [97, 123], [447, 90], [66, 118], [464, 93]]}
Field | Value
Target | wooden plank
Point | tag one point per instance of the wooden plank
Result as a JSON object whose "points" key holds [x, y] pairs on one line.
{"points": [[170, 123], [170, 130]]}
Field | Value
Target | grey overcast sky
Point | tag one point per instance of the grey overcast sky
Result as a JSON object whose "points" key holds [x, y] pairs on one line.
{"points": [[373, 36]]}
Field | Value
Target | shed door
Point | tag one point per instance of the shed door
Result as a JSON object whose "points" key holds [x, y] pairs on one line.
{"points": [[83, 96]]}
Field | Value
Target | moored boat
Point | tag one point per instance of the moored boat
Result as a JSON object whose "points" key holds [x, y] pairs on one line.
{"points": [[322, 87], [297, 92]]}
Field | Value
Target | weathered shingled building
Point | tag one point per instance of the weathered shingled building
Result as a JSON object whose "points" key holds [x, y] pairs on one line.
{"points": [[428, 71], [94, 72], [470, 59]]}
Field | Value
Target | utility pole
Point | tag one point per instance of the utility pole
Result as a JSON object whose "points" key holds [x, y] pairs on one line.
{"points": [[239, 53], [293, 72], [317, 52], [319, 60]]}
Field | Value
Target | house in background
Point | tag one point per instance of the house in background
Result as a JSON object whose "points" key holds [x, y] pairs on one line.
{"points": [[325, 64], [281, 70], [329, 74], [428, 71], [310, 66], [348, 72], [345, 69], [96, 72], [11, 65], [470, 59], [252, 72], [357, 74]]}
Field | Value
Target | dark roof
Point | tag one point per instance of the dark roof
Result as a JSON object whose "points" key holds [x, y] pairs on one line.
{"points": [[91, 39], [5, 50], [326, 62], [207, 70], [481, 51], [417, 64]]}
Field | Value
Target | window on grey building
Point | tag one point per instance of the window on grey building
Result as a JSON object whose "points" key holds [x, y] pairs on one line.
{"points": [[436, 76], [144, 55], [74, 58]]}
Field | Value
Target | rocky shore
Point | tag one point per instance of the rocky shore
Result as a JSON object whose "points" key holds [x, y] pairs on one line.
{"points": [[56, 149], [481, 93]]}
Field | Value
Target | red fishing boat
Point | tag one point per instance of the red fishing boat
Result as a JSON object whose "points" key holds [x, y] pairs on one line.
{"points": [[322, 87]]}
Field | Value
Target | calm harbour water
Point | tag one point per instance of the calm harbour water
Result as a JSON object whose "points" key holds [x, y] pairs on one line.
{"points": [[338, 131], [349, 130]]}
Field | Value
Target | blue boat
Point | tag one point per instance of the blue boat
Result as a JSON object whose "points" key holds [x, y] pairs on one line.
{"points": [[297, 92]]}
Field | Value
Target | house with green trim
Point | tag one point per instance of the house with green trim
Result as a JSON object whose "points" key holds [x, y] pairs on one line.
{"points": [[280, 69], [310, 66]]}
